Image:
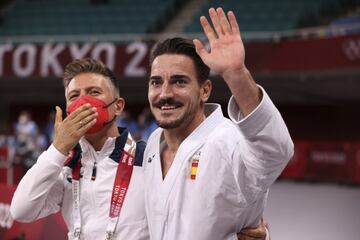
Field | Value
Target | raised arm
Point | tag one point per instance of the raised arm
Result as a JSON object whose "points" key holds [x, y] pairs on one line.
{"points": [[267, 146], [227, 58]]}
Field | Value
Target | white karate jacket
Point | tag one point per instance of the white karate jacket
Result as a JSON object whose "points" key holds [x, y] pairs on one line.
{"points": [[237, 160], [44, 190]]}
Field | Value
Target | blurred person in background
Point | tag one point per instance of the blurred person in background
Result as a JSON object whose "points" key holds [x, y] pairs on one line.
{"points": [[7, 141], [146, 124], [207, 177], [49, 130], [127, 121], [26, 139]]}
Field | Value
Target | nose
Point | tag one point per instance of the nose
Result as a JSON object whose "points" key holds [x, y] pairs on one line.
{"points": [[82, 93], [166, 90]]}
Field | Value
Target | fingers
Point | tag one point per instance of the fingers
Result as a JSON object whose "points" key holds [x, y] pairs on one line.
{"points": [[233, 23], [73, 127], [209, 32], [225, 25], [77, 111], [87, 122], [58, 117], [216, 21], [81, 120], [253, 233], [80, 113], [200, 48], [85, 115]]}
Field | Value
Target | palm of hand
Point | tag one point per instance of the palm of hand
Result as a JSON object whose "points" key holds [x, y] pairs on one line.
{"points": [[227, 53]]}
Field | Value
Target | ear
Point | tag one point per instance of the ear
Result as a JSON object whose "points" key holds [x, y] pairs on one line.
{"points": [[119, 106], [205, 90]]}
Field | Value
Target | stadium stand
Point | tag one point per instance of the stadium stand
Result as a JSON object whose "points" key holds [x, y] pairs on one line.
{"points": [[347, 22], [277, 15], [41, 17]]}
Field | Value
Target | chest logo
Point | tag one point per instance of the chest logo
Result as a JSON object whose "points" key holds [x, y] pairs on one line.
{"points": [[150, 159], [194, 165]]}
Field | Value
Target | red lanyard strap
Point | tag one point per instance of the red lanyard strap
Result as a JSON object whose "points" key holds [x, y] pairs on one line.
{"points": [[121, 184], [120, 187]]}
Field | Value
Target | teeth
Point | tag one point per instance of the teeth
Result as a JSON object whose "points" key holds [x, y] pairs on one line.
{"points": [[167, 107]]}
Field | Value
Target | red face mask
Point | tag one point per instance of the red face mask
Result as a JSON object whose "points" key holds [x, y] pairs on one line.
{"points": [[101, 107]]}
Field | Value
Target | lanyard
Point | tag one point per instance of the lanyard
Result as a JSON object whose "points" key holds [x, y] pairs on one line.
{"points": [[76, 208], [120, 187]]}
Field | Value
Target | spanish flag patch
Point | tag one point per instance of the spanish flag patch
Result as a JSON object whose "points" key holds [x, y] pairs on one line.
{"points": [[194, 165]]}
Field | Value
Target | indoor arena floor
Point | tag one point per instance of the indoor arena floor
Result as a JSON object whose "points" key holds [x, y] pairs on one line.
{"points": [[313, 211]]}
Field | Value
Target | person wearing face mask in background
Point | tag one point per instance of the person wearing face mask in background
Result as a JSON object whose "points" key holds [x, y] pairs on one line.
{"points": [[92, 171]]}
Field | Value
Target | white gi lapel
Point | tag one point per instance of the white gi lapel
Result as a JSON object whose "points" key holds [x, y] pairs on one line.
{"points": [[161, 194], [190, 146]]}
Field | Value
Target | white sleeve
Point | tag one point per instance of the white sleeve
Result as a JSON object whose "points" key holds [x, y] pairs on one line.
{"points": [[267, 147], [40, 191]]}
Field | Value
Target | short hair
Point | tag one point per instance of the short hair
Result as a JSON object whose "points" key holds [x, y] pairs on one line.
{"points": [[185, 47], [89, 65]]}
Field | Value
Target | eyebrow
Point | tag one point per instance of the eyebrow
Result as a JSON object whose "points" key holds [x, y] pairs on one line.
{"points": [[176, 76], [87, 89], [155, 77]]}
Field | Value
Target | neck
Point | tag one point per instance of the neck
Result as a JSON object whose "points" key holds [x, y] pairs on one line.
{"points": [[97, 140], [175, 136]]}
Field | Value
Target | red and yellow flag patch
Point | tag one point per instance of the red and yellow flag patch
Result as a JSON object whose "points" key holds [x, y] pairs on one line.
{"points": [[194, 165]]}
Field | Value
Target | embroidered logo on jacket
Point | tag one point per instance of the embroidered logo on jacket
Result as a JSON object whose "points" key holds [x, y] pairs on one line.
{"points": [[150, 159]]}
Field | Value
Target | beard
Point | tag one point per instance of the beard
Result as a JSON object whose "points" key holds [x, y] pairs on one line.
{"points": [[173, 124]]}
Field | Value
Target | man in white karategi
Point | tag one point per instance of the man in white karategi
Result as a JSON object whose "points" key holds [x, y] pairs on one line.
{"points": [[207, 177], [92, 172]]}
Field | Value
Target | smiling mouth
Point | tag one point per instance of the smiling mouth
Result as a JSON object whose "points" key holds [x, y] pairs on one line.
{"points": [[168, 107]]}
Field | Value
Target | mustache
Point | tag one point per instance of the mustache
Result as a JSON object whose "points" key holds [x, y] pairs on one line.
{"points": [[167, 101]]}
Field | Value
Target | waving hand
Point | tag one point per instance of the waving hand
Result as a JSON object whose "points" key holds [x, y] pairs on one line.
{"points": [[227, 58], [227, 50]]}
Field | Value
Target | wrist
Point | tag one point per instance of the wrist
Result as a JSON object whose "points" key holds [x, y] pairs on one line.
{"points": [[237, 74], [61, 148]]}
